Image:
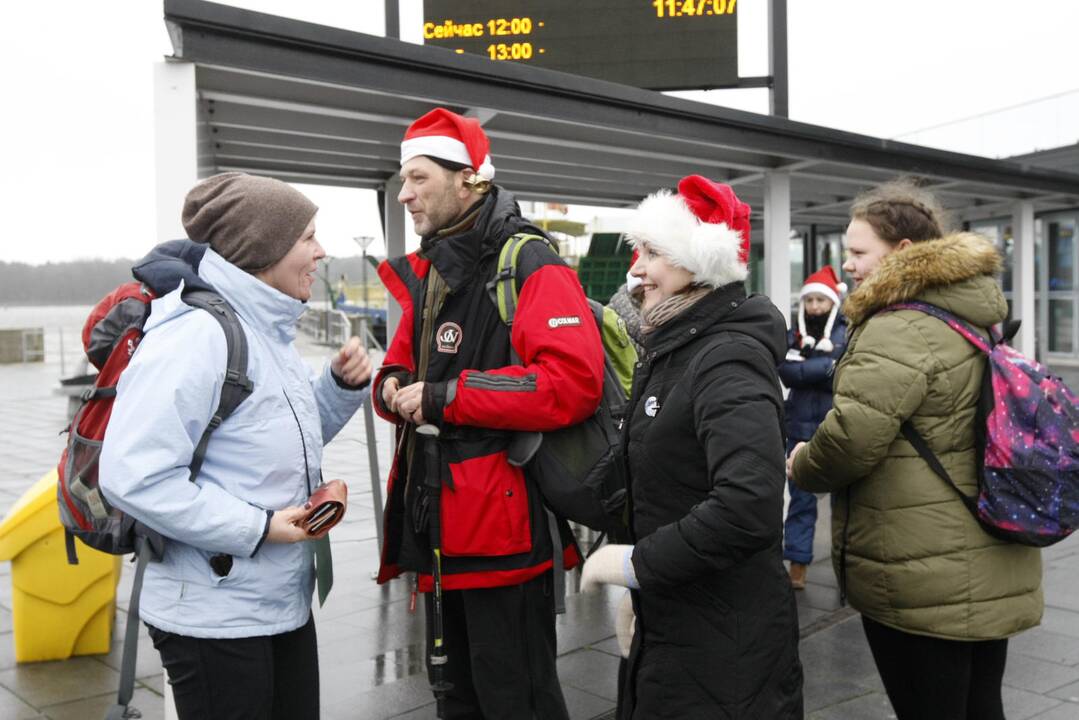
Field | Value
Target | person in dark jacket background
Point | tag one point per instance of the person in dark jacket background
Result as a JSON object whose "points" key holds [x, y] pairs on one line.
{"points": [[715, 633], [814, 348]]}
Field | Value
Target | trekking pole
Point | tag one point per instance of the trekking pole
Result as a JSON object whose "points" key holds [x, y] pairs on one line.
{"points": [[439, 685]]}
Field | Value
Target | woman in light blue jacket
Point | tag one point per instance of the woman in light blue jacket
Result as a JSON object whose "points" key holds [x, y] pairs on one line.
{"points": [[229, 603]]}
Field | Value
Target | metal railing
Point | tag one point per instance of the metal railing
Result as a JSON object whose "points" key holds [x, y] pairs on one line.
{"points": [[328, 327]]}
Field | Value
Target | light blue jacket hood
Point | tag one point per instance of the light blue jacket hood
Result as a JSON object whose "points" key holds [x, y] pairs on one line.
{"points": [[266, 456]]}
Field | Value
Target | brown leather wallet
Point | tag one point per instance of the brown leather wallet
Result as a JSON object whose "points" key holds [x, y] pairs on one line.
{"points": [[327, 507]]}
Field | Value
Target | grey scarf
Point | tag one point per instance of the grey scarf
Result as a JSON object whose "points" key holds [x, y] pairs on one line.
{"points": [[672, 307]]}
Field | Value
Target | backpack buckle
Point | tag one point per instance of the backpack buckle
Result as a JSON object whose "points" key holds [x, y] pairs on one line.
{"points": [[233, 377]]}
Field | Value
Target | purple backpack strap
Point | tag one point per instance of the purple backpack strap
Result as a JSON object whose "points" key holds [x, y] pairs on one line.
{"points": [[952, 321]]}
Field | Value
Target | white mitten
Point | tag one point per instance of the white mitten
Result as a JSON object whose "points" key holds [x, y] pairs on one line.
{"points": [[625, 623], [609, 565]]}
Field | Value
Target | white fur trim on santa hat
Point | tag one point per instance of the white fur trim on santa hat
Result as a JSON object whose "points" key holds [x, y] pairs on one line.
{"points": [[822, 289], [446, 148], [709, 251], [438, 146]]}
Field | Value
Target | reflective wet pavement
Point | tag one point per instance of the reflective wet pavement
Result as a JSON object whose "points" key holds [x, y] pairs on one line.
{"points": [[371, 646]]}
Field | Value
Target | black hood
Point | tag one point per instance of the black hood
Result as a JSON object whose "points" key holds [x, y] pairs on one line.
{"points": [[170, 262], [725, 309]]}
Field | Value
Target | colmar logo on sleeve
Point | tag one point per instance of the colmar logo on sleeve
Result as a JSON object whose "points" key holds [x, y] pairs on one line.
{"points": [[565, 321]]}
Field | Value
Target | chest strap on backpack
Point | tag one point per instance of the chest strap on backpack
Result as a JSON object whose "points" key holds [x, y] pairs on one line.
{"points": [[237, 385]]}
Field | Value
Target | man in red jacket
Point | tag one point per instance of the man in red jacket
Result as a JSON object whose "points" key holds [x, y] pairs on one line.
{"points": [[451, 366]]}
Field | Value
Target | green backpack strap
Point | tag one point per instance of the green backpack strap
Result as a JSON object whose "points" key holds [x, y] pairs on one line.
{"points": [[618, 347], [503, 287]]}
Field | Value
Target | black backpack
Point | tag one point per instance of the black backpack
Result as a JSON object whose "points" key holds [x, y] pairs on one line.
{"points": [[578, 469]]}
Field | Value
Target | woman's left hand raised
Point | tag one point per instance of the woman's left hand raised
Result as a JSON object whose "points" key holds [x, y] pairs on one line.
{"points": [[351, 363]]}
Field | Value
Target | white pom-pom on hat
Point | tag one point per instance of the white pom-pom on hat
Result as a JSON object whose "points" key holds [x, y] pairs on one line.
{"points": [[823, 282]]}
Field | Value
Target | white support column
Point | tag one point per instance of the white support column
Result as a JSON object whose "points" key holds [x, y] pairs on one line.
{"points": [[175, 143], [395, 246], [1043, 297], [777, 231], [176, 168], [1023, 307]]}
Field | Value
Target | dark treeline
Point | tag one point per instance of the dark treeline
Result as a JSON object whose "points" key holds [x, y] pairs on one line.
{"points": [[78, 282], [84, 282]]}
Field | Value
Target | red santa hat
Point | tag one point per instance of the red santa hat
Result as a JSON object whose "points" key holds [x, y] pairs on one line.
{"points": [[704, 229], [823, 282], [449, 136]]}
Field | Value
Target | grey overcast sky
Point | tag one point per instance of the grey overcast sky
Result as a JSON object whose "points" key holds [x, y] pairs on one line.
{"points": [[78, 116]]}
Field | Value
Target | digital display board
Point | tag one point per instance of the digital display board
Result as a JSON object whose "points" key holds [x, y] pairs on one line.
{"points": [[655, 44]]}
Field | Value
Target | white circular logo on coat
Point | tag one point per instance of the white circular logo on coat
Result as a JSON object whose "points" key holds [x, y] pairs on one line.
{"points": [[651, 406]]}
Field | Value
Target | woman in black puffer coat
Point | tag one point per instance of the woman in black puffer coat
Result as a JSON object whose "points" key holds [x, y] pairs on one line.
{"points": [[716, 627]]}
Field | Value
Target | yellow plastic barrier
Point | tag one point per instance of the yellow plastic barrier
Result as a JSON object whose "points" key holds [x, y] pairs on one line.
{"points": [[58, 610]]}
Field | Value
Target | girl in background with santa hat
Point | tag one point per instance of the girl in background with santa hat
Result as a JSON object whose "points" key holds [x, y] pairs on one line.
{"points": [[816, 344]]}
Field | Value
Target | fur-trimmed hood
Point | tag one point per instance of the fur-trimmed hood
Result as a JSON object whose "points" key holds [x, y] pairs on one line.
{"points": [[922, 268]]}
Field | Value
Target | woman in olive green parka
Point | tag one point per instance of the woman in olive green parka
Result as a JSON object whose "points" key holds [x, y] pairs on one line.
{"points": [[938, 595]]}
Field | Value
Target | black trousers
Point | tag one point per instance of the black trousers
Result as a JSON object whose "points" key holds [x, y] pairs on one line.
{"points": [[274, 677], [501, 648], [932, 679]]}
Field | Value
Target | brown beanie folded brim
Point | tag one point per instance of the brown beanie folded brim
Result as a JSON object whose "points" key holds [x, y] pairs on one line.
{"points": [[250, 221]]}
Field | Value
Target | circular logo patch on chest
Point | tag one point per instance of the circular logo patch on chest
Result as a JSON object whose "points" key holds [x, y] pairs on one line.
{"points": [[448, 337], [651, 406]]}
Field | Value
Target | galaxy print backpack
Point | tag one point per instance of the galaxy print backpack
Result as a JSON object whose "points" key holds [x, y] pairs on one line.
{"points": [[1027, 438]]}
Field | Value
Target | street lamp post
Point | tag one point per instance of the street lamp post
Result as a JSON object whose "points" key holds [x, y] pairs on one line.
{"points": [[364, 241]]}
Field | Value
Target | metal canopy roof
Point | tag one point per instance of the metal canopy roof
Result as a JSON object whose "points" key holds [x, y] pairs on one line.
{"points": [[1064, 158], [313, 104]]}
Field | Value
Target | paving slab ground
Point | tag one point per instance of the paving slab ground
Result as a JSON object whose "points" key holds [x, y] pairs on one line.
{"points": [[371, 646]]}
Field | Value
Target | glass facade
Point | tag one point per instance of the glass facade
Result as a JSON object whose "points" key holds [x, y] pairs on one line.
{"points": [[1056, 273], [1058, 233], [1056, 259]]}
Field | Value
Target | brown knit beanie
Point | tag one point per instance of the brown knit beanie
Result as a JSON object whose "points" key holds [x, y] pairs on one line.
{"points": [[250, 221]]}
